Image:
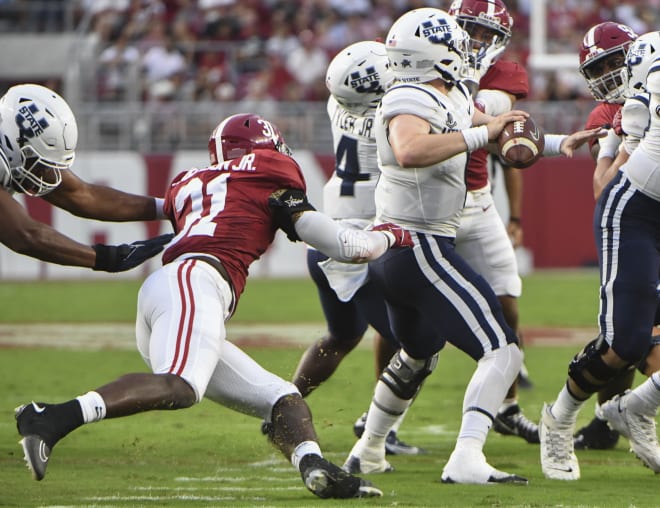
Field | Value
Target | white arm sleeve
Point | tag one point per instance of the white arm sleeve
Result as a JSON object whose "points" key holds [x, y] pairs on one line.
{"points": [[338, 242], [634, 122]]}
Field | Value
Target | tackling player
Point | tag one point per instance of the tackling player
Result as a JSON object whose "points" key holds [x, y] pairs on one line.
{"points": [[38, 137], [224, 216], [482, 238]]}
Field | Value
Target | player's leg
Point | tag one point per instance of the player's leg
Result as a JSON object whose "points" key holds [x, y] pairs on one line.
{"points": [[483, 242], [243, 385], [346, 326], [178, 380]]}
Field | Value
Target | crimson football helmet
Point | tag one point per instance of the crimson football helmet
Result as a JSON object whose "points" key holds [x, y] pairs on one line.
{"points": [[475, 15], [602, 58], [243, 133]]}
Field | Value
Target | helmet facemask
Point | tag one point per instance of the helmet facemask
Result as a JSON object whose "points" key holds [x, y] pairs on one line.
{"points": [[604, 76], [37, 176]]}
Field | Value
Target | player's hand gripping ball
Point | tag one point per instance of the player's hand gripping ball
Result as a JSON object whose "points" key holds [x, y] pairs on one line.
{"points": [[521, 144]]}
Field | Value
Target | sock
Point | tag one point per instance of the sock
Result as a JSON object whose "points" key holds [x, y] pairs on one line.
{"points": [[398, 422], [506, 404], [304, 448], [474, 427], [92, 406], [566, 408], [645, 398]]}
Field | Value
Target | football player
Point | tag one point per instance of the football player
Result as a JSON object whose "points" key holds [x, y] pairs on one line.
{"points": [[602, 60], [425, 125], [482, 238], [224, 216], [356, 78], [627, 228], [38, 137]]}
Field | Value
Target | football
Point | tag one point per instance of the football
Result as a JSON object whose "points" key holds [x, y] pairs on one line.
{"points": [[521, 144]]}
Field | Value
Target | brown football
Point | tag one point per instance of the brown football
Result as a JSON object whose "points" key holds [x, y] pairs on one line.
{"points": [[521, 143]]}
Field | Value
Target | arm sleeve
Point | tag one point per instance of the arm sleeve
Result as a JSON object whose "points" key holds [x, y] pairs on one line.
{"points": [[338, 242]]}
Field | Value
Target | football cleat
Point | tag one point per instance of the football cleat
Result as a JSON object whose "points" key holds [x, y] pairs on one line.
{"points": [[597, 435], [358, 465], [326, 480], [558, 460], [37, 442], [393, 445], [469, 466], [512, 422], [639, 428]]}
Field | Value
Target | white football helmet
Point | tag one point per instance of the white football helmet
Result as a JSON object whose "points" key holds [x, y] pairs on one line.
{"points": [[653, 79], [426, 44], [39, 125], [639, 58], [359, 75]]}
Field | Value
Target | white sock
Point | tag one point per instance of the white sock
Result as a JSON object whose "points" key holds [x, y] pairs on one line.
{"points": [[645, 398], [304, 448], [93, 407], [566, 408], [474, 427], [399, 421]]}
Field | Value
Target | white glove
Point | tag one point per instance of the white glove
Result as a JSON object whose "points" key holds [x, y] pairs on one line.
{"points": [[609, 145]]}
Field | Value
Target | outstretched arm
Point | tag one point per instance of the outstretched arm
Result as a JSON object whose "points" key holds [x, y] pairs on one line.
{"points": [[22, 234], [100, 202]]}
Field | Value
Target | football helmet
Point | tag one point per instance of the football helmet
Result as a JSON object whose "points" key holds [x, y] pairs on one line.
{"points": [[359, 75], [639, 58], [37, 124], [653, 80], [243, 133], [476, 15], [602, 57], [426, 44]]}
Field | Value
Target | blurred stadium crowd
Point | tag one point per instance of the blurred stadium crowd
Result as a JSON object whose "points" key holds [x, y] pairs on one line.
{"points": [[261, 50], [154, 75]]}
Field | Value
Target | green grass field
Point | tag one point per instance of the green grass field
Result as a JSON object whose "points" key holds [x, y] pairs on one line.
{"points": [[211, 456]]}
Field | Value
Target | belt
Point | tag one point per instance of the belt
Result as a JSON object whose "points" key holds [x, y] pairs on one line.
{"points": [[215, 263], [219, 267]]}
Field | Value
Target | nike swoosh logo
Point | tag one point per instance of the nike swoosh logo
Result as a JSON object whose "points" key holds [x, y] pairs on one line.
{"points": [[563, 470], [38, 408], [484, 208]]}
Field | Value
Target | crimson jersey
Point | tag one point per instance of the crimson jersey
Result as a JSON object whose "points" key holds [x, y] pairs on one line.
{"points": [[223, 210], [506, 76], [602, 114]]}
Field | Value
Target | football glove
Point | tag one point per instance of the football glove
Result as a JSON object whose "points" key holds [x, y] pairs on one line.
{"points": [[119, 258], [398, 236]]}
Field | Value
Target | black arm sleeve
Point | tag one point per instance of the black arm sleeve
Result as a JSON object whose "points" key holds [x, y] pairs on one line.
{"points": [[285, 203]]}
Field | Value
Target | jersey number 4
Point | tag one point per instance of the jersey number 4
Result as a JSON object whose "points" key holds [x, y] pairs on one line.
{"points": [[347, 166]]}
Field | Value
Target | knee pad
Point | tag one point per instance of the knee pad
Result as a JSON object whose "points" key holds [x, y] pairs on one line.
{"points": [[643, 363], [404, 380], [588, 369]]}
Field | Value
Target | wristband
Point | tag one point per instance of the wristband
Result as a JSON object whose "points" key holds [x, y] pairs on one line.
{"points": [[553, 144], [475, 137], [160, 205]]}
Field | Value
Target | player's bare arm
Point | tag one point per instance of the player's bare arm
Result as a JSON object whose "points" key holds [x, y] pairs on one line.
{"points": [[575, 140], [24, 235], [100, 202]]}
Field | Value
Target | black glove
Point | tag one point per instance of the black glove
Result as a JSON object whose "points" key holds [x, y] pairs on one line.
{"points": [[119, 258]]}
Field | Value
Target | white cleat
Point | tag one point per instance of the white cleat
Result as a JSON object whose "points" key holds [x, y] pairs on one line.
{"points": [[558, 460], [469, 466], [365, 460], [637, 427]]}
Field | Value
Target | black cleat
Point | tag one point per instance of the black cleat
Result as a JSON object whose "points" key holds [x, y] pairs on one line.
{"points": [[512, 422], [326, 480], [393, 445], [597, 435], [37, 442]]}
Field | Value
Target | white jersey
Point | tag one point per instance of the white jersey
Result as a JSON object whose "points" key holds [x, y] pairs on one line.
{"points": [[643, 166], [349, 193], [428, 199], [5, 173]]}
